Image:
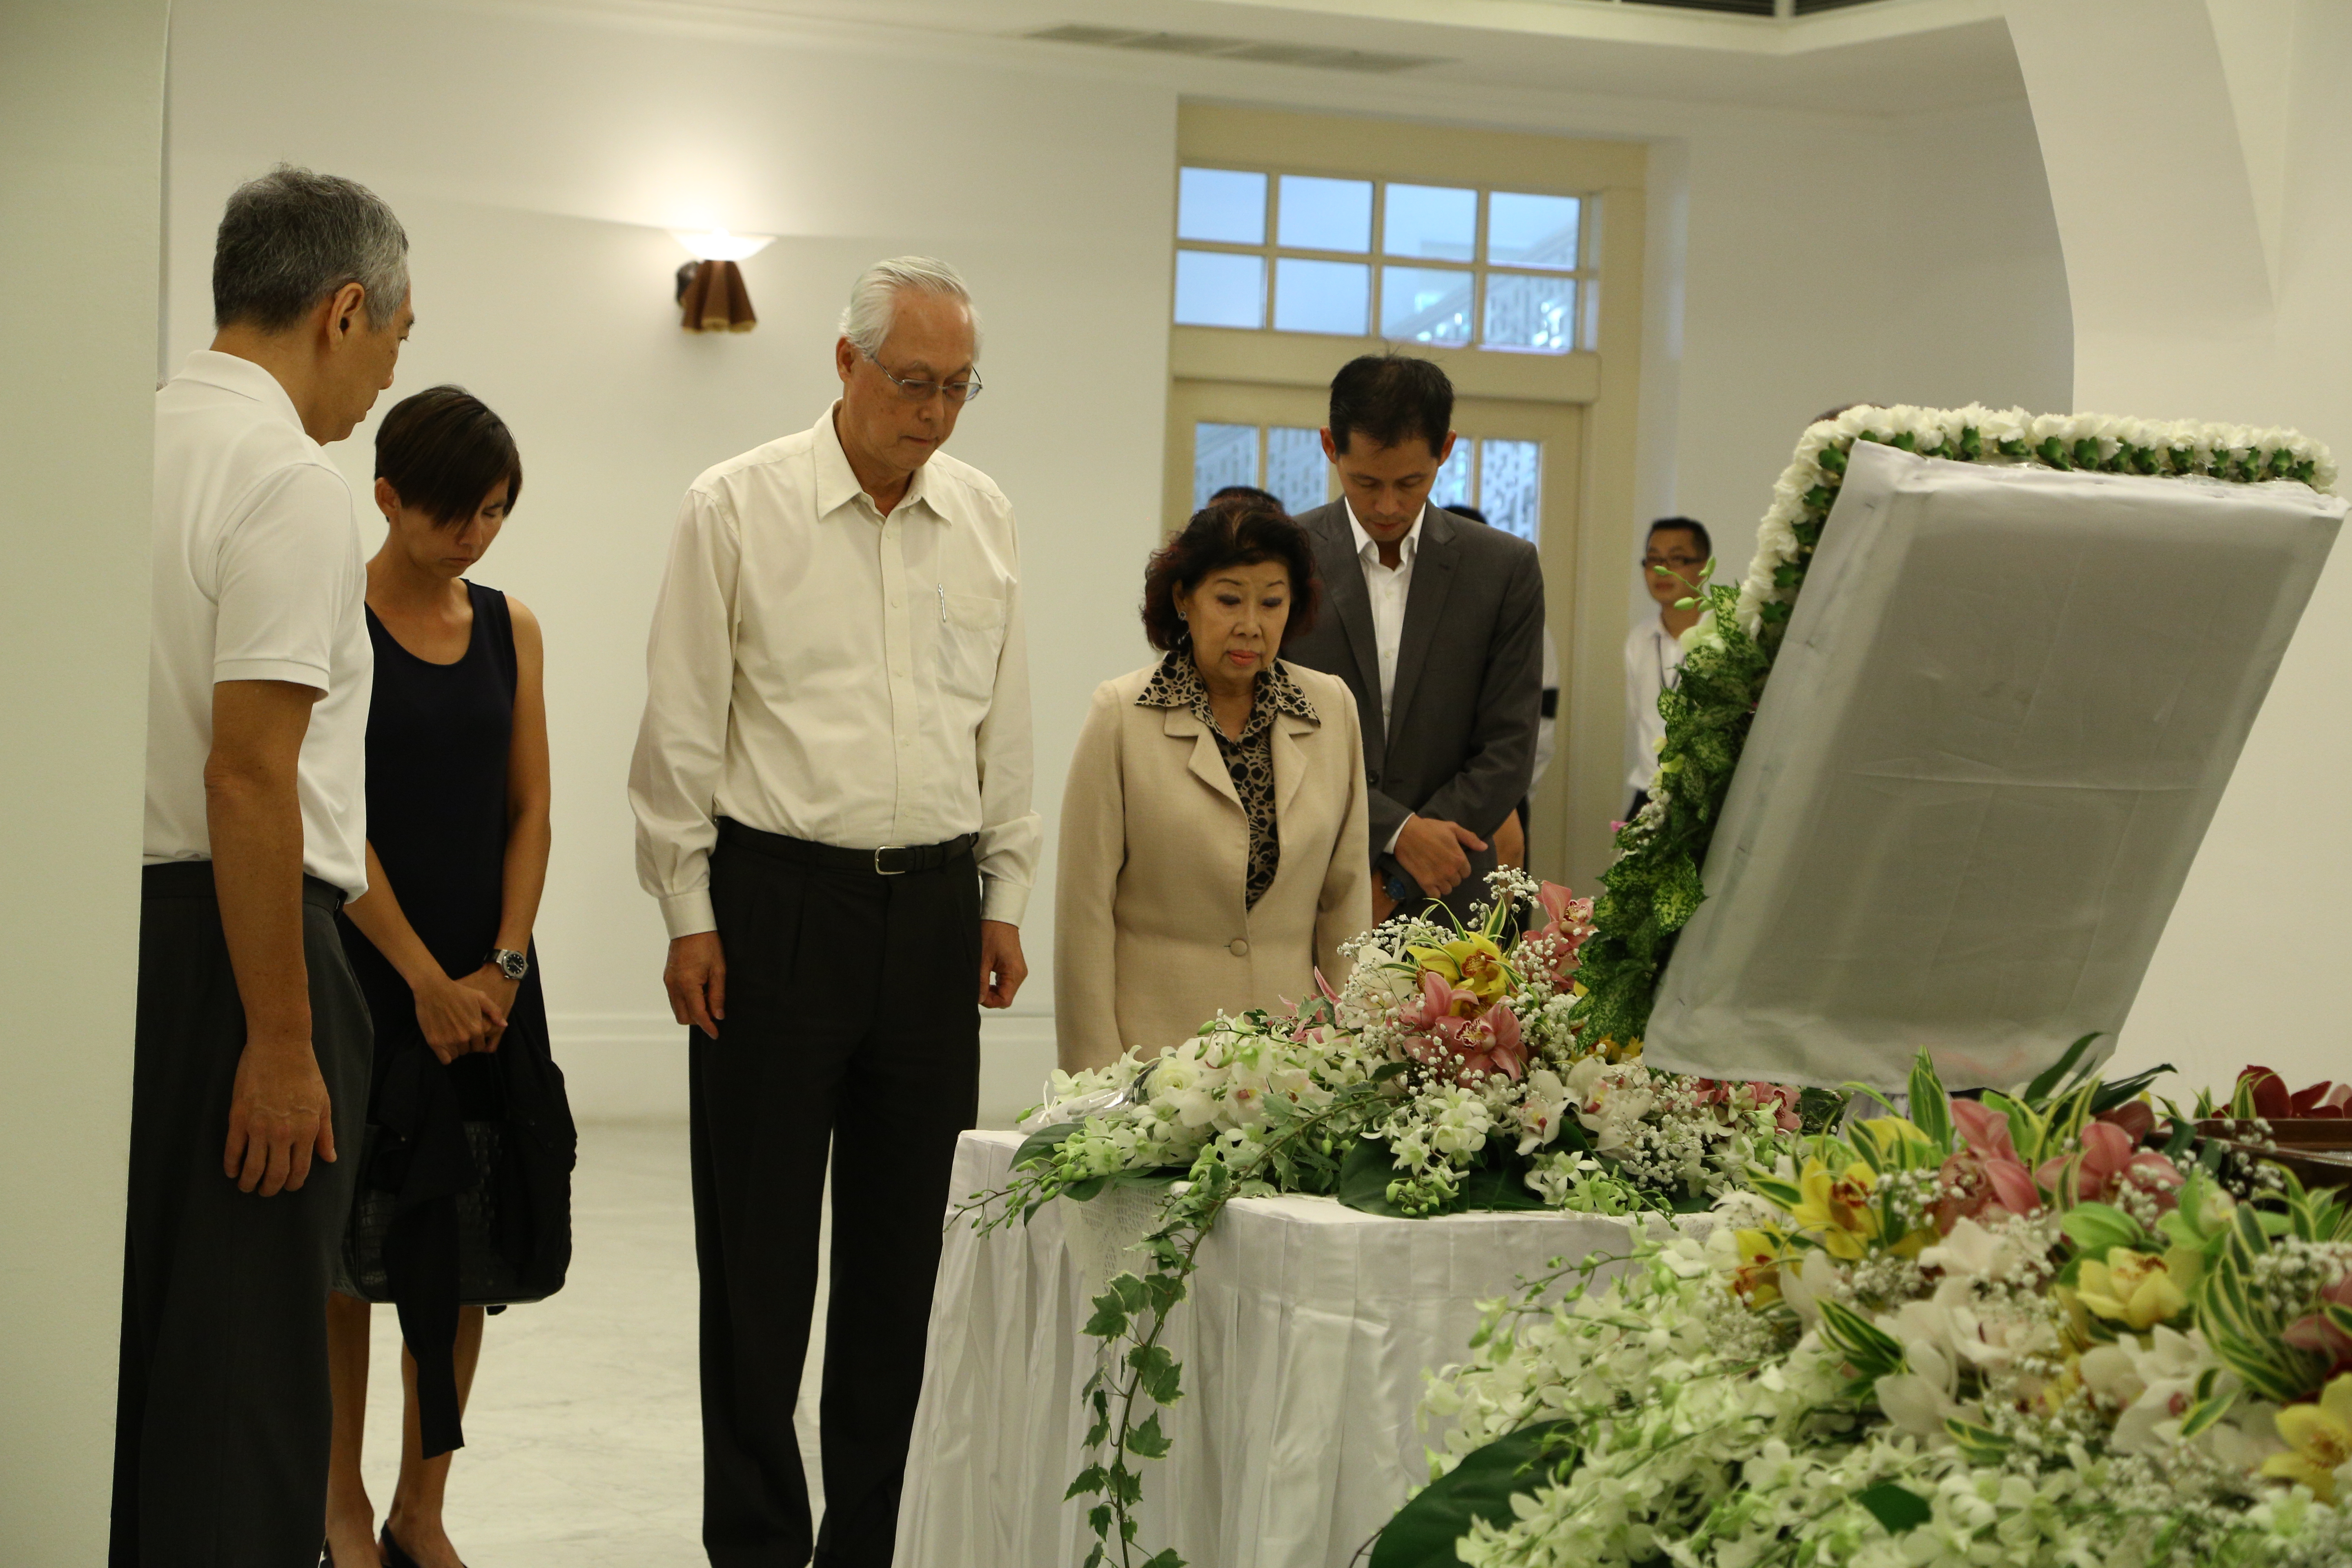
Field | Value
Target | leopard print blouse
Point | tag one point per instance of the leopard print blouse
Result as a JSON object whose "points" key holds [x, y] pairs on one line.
{"points": [[1177, 683]]}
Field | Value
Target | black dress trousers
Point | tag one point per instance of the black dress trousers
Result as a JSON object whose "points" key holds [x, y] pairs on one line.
{"points": [[852, 1025], [223, 1410]]}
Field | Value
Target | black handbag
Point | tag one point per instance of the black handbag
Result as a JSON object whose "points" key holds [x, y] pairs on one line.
{"points": [[486, 1275], [514, 1223]]}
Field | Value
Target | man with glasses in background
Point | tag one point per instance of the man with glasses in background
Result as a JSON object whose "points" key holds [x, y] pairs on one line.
{"points": [[1673, 563], [832, 793]]}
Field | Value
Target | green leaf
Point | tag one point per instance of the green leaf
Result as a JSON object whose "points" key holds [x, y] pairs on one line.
{"points": [[2095, 1227], [1931, 1108], [2046, 1082], [1424, 1533], [1980, 1445], [1039, 1146], [1502, 1185], [1088, 1484], [1872, 1352], [2205, 1412], [1364, 1178], [1898, 1507], [1110, 1319], [1148, 1441], [1156, 1372], [1165, 1558]]}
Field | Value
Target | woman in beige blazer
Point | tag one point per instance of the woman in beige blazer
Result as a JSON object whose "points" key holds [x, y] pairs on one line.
{"points": [[1212, 851]]}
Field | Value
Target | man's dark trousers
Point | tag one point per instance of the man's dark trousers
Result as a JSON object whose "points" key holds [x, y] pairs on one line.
{"points": [[223, 1412], [852, 1023]]}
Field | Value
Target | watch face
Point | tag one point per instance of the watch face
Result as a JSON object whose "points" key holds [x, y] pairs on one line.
{"points": [[514, 965]]}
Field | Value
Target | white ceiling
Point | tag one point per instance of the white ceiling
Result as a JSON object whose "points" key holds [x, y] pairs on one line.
{"points": [[1897, 57]]}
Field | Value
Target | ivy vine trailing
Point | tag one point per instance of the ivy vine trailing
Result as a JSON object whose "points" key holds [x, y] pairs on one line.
{"points": [[1656, 886]]}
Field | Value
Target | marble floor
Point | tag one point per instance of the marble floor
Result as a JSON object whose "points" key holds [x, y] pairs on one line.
{"points": [[583, 1446]]}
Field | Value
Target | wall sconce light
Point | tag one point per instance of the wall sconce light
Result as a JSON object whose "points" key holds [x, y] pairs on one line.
{"points": [[710, 290]]}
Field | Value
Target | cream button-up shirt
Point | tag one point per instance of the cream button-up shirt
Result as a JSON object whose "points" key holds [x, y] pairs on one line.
{"points": [[824, 671]]}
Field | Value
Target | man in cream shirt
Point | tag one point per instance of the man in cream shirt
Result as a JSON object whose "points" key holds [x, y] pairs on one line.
{"points": [[832, 793]]}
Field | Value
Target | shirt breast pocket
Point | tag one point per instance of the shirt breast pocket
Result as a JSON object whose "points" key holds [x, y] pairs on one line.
{"points": [[972, 638]]}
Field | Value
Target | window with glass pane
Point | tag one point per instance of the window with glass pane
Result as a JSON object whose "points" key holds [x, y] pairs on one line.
{"points": [[1321, 296], [1511, 478], [1434, 223], [1222, 455], [1538, 314], [1314, 214], [1452, 486], [1296, 471], [1221, 204], [1217, 289], [1425, 304], [1451, 266], [1532, 231]]}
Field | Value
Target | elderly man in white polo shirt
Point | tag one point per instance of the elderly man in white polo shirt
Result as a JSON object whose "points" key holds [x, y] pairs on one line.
{"points": [[251, 1073], [832, 793]]}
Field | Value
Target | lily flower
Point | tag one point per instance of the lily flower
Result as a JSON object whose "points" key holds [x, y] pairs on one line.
{"points": [[2134, 1289]]}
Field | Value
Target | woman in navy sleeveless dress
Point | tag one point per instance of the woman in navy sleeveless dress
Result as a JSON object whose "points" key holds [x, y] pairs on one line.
{"points": [[457, 846]]}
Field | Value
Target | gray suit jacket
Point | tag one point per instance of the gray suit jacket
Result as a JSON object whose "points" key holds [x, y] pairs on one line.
{"points": [[1469, 677]]}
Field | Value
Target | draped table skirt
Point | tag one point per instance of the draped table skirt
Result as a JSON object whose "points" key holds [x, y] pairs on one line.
{"points": [[1303, 1343]]}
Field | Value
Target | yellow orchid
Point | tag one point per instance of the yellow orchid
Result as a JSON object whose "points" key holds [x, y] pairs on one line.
{"points": [[1837, 1207], [2320, 1438], [1472, 963], [2136, 1289], [1758, 1277]]}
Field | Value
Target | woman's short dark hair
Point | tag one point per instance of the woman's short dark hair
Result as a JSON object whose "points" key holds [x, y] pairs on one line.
{"points": [[1239, 532], [1690, 525], [442, 451], [1390, 398]]}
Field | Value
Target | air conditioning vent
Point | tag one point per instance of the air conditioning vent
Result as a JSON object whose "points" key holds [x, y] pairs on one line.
{"points": [[1209, 46], [1734, 7]]}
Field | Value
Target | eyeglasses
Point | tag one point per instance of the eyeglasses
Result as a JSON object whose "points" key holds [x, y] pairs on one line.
{"points": [[921, 390]]}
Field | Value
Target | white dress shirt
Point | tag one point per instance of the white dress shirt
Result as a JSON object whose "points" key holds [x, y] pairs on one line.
{"points": [[1390, 587], [1652, 657], [824, 671], [258, 574]]}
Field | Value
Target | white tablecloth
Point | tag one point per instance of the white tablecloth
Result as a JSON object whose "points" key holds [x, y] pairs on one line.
{"points": [[1303, 1343]]}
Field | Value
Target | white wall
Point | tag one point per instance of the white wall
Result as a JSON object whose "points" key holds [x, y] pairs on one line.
{"points": [[82, 105], [529, 164], [2202, 179], [531, 155]]}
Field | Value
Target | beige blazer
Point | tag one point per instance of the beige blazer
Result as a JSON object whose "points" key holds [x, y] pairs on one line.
{"points": [[1153, 934]]}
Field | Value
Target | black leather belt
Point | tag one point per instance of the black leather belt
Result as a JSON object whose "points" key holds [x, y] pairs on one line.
{"points": [[890, 860]]}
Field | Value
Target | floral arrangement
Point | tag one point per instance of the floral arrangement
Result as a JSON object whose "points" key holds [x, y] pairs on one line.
{"points": [[1656, 886], [2040, 1329], [1445, 1073]]}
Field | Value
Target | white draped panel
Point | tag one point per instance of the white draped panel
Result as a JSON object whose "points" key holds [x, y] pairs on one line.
{"points": [[1304, 1345]]}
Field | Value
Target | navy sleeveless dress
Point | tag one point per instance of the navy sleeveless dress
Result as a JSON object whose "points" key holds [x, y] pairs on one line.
{"points": [[438, 742]]}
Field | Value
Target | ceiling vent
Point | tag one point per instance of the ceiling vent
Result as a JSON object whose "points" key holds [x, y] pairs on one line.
{"points": [[1206, 47]]}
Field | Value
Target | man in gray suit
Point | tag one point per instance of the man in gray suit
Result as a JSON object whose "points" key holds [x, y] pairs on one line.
{"points": [[1436, 625]]}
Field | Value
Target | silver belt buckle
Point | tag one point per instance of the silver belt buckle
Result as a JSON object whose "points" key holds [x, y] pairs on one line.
{"points": [[882, 870]]}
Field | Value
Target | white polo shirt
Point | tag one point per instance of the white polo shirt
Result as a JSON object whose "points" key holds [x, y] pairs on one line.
{"points": [[259, 575]]}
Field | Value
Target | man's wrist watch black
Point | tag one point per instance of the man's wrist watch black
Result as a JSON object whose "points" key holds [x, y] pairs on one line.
{"points": [[1398, 889], [512, 964]]}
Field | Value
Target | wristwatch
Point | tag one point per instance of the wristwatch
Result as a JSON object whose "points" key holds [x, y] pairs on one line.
{"points": [[513, 965]]}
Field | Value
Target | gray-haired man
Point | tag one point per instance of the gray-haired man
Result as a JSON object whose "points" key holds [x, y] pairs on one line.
{"points": [[832, 793], [252, 1040]]}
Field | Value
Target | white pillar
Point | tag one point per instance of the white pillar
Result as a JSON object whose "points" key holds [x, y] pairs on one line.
{"points": [[2200, 160], [82, 99]]}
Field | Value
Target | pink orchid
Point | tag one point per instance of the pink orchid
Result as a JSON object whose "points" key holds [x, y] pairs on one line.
{"points": [[1785, 1102], [1488, 1043], [1986, 1176], [2109, 1158], [2319, 1335], [1439, 999], [1568, 922]]}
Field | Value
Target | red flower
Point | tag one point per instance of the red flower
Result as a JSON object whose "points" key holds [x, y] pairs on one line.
{"points": [[2272, 1102]]}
